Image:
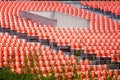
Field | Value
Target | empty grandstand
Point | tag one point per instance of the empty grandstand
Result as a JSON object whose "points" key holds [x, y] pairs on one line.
{"points": [[60, 40]]}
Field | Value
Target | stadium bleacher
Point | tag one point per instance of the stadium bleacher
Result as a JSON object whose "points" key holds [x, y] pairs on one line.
{"points": [[101, 39]]}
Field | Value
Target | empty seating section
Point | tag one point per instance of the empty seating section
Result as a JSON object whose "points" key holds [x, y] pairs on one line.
{"points": [[103, 33], [106, 6], [102, 38], [14, 52]]}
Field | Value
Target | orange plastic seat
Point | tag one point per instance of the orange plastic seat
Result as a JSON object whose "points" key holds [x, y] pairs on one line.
{"points": [[95, 68]]}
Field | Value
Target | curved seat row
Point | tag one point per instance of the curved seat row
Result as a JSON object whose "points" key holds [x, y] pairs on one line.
{"points": [[106, 6], [103, 34], [18, 53], [102, 39]]}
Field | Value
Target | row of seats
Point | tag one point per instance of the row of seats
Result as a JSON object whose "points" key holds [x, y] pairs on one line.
{"points": [[100, 21], [9, 7], [19, 53], [92, 40], [104, 23], [83, 38], [106, 6], [15, 52]]}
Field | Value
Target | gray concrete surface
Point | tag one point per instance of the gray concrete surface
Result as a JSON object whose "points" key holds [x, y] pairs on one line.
{"points": [[39, 18], [63, 20]]}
